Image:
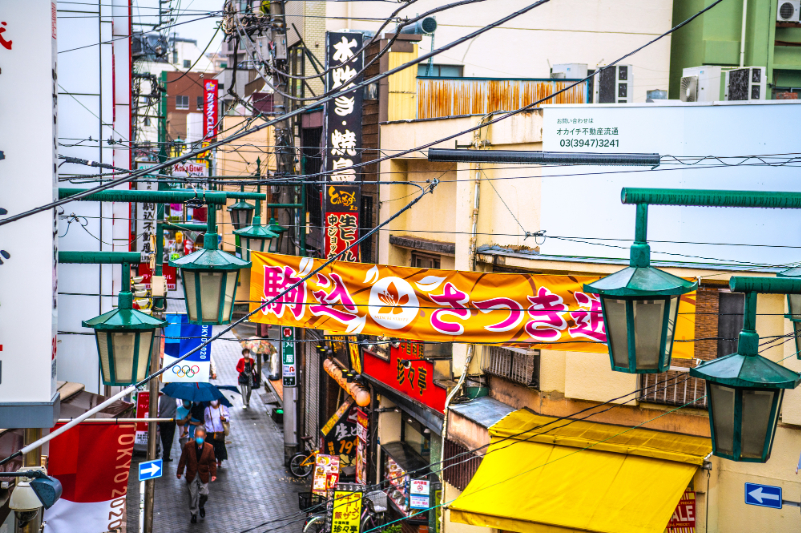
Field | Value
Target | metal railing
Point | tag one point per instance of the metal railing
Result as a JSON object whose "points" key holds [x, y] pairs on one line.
{"points": [[673, 388], [450, 97], [523, 368]]}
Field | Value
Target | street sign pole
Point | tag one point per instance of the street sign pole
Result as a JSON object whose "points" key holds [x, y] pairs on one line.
{"points": [[290, 383]]}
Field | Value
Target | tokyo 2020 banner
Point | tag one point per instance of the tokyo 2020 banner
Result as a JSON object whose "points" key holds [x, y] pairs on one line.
{"points": [[533, 310]]}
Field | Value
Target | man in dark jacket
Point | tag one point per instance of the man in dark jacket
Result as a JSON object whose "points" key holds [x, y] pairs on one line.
{"points": [[201, 467]]}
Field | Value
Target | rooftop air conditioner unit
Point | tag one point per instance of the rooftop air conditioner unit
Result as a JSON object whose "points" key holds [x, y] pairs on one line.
{"points": [[615, 85], [689, 89], [746, 83], [788, 10]]}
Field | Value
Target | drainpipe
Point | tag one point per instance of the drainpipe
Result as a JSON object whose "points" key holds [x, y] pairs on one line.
{"points": [[471, 348], [742, 34]]}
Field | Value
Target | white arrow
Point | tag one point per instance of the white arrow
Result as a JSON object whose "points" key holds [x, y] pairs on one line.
{"points": [[152, 468], [758, 495]]}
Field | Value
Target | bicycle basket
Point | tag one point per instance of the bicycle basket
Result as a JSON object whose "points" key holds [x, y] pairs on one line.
{"points": [[310, 502], [379, 500]]}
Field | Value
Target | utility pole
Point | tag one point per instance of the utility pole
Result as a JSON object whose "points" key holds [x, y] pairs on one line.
{"points": [[285, 163]]}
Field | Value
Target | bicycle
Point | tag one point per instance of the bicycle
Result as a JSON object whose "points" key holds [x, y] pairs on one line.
{"points": [[374, 507], [302, 464]]}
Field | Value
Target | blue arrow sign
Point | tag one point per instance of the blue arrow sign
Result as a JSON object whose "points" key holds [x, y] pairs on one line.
{"points": [[150, 470], [763, 495]]}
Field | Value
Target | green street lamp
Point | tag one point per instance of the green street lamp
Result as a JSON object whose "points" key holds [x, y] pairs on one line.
{"points": [[794, 307], [257, 238], [124, 338], [210, 277], [241, 214], [745, 389], [640, 305], [279, 230]]}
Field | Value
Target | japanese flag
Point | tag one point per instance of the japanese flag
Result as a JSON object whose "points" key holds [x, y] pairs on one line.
{"points": [[92, 461]]}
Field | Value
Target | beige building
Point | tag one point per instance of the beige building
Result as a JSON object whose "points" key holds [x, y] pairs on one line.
{"points": [[453, 229]]}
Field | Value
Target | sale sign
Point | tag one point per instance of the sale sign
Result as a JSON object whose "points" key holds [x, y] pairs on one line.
{"points": [[531, 310], [683, 519]]}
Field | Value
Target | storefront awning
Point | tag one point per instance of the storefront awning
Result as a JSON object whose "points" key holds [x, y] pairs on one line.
{"points": [[548, 480]]}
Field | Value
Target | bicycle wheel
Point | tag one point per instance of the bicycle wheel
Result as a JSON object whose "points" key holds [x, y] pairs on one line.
{"points": [[297, 467], [314, 524]]}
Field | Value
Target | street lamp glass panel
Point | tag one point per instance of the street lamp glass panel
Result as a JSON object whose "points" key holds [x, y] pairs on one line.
{"points": [[721, 409], [145, 345], [124, 343], [241, 218], [617, 330], [757, 422], [648, 320], [102, 349], [673, 313], [794, 304], [797, 330], [210, 295], [190, 294], [275, 243], [230, 289]]}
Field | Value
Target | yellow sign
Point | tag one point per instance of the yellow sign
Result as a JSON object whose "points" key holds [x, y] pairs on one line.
{"points": [[346, 511], [531, 310]]}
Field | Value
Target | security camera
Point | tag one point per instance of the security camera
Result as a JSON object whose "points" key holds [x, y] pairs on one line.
{"points": [[34, 490]]}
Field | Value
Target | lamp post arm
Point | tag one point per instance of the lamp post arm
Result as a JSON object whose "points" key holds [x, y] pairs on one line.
{"points": [[101, 258], [157, 197], [711, 198]]}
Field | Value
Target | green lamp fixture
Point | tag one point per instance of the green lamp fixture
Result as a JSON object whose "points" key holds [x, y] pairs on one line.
{"points": [[745, 389], [794, 307], [241, 214], [279, 230], [124, 338], [640, 305], [210, 277], [256, 238]]}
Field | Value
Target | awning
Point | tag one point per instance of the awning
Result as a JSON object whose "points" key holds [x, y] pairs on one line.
{"points": [[548, 480]]}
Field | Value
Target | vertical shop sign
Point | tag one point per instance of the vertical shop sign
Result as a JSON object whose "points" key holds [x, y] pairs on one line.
{"points": [[290, 368], [210, 112], [418, 493], [142, 403], [343, 141], [145, 214], [362, 423]]}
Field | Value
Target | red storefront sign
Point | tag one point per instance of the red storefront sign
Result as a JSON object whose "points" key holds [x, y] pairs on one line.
{"points": [[170, 273], [683, 519], [210, 111], [407, 372], [342, 230]]}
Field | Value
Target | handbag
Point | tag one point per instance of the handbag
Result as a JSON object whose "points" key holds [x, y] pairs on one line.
{"points": [[226, 424]]}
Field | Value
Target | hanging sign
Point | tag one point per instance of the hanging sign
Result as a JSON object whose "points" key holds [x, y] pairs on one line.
{"points": [[290, 368], [530, 310], [210, 111], [418, 493], [192, 169], [142, 404], [362, 423], [181, 337], [340, 432], [343, 141]]}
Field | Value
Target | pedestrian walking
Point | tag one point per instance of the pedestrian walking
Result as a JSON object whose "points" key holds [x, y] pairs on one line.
{"points": [[247, 376], [216, 417], [168, 408], [201, 468]]}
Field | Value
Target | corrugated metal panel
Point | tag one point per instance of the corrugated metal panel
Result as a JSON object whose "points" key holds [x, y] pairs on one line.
{"points": [[402, 87], [312, 384], [465, 96]]}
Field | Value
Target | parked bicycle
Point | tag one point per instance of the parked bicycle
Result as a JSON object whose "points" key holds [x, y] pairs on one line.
{"points": [[374, 508], [302, 463]]}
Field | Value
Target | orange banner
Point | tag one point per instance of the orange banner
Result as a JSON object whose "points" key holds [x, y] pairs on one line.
{"points": [[530, 310]]}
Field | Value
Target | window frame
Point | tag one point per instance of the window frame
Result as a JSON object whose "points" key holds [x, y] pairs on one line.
{"points": [[180, 97]]}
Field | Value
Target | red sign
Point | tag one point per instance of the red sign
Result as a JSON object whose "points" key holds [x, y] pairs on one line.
{"points": [[342, 230], [142, 405], [210, 111], [407, 372], [683, 519], [171, 273]]}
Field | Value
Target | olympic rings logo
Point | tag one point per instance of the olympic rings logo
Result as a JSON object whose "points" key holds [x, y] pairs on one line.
{"points": [[185, 371]]}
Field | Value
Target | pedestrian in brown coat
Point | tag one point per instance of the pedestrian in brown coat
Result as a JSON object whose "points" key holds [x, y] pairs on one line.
{"points": [[201, 467]]}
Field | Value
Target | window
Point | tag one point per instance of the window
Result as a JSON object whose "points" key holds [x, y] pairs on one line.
{"points": [[187, 63], [417, 437], [200, 103], [520, 366], [181, 102], [424, 261], [147, 121], [175, 56], [445, 71]]}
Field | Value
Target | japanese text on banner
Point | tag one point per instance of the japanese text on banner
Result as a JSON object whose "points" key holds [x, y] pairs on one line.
{"points": [[441, 305]]}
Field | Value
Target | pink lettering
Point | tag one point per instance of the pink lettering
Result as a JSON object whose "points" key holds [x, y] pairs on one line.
{"points": [[516, 313], [456, 299], [546, 313]]}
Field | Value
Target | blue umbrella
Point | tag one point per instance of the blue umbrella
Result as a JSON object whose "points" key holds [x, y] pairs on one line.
{"points": [[195, 392]]}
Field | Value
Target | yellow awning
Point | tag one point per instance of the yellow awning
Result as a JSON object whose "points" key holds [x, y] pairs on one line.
{"points": [[546, 481]]}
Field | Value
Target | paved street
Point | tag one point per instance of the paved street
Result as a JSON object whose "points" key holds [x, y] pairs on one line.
{"points": [[253, 486]]}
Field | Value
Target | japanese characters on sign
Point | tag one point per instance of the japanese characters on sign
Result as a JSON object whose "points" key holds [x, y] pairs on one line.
{"points": [[288, 361], [142, 403], [210, 111], [409, 373], [340, 432], [529, 310], [362, 423], [418, 493], [343, 139], [346, 512], [145, 215]]}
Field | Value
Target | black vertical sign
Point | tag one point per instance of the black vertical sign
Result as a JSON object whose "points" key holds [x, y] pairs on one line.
{"points": [[343, 145]]}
